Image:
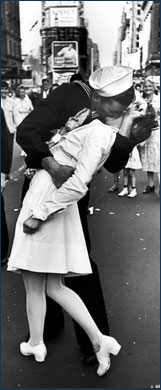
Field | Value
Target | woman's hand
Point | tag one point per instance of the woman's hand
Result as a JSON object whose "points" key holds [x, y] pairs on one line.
{"points": [[31, 225]]}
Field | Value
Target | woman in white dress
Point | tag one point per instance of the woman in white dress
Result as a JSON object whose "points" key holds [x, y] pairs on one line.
{"points": [[45, 258], [150, 149]]}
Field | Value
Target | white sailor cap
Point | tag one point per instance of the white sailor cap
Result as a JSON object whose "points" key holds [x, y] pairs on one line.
{"points": [[111, 80]]}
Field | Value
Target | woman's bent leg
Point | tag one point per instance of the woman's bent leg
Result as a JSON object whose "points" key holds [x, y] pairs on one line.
{"points": [[35, 285], [72, 303], [89, 289], [74, 306]]}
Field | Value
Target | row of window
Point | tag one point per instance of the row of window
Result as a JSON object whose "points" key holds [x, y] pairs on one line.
{"points": [[12, 25], [14, 49]]}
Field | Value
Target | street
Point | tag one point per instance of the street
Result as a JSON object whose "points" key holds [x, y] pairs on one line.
{"points": [[125, 240]]}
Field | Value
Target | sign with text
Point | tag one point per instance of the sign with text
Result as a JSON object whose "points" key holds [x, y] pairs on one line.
{"points": [[61, 3], [63, 17], [65, 54]]}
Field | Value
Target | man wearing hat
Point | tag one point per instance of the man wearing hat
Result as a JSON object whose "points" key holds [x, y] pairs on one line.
{"points": [[110, 93]]}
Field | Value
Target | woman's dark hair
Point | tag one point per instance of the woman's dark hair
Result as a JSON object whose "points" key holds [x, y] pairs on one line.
{"points": [[125, 98]]}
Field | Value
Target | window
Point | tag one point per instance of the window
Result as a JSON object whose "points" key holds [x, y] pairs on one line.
{"points": [[137, 40], [17, 47], [19, 50], [15, 51], [10, 48]]}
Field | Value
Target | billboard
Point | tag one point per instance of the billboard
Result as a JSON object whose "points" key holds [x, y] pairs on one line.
{"points": [[63, 17], [65, 54]]}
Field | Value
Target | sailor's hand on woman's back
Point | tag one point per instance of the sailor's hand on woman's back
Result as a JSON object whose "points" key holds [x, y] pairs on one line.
{"points": [[59, 173], [31, 225]]}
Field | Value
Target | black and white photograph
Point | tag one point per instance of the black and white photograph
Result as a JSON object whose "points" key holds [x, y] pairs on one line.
{"points": [[80, 194]]}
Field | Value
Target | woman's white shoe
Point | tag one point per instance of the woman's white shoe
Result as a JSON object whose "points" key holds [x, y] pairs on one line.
{"points": [[132, 193], [39, 351], [124, 192], [108, 345]]}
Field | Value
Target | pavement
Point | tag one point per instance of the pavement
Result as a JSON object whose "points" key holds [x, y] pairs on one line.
{"points": [[125, 239]]}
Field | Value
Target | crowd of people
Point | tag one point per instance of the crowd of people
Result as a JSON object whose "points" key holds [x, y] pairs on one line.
{"points": [[146, 155], [67, 134]]}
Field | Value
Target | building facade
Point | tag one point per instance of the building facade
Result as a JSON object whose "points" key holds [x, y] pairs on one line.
{"points": [[151, 37], [117, 56], [11, 63], [66, 47], [131, 24], [139, 38], [11, 60]]}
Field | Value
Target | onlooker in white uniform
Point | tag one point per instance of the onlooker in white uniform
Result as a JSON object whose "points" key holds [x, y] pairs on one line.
{"points": [[23, 105], [7, 104]]}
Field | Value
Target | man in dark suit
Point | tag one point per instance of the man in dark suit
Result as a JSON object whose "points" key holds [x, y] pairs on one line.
{"points": [[36, 96], [52, 113], [45, 90]]}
